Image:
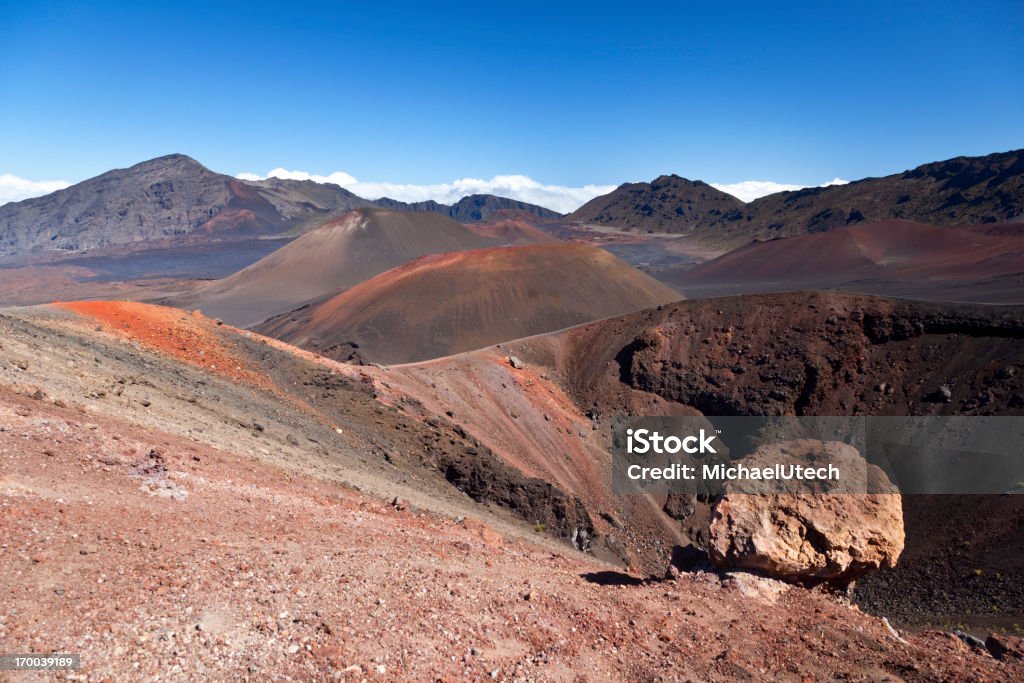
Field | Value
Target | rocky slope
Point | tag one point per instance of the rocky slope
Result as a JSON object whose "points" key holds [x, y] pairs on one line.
{"points": [[174, 197], [805, 354], [186, 500], [959, 191], [830, 354], [443, 304]]}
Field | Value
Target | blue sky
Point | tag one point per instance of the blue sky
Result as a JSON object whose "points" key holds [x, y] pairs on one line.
{"points": [[569, 95]]}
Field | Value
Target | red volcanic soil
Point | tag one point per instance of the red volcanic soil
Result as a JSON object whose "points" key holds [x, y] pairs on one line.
{"points": [[526, 418], [895, 257], [335, 256], [247, 212], [444, 304], [255, 571], [189, 338]]}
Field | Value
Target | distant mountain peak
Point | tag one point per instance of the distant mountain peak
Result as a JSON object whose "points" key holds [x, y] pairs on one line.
{"points": [[957, 191], [669, 203], [182, 161]]}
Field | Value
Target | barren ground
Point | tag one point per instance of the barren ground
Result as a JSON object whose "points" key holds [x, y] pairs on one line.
{"points": [[156, 517]]}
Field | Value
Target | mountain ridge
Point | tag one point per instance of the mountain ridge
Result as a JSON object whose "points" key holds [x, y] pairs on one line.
{"points": [[958, 191], [176, 197]]}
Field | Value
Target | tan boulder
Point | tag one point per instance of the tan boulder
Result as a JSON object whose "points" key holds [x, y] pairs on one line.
{"points": [[834, 536]]}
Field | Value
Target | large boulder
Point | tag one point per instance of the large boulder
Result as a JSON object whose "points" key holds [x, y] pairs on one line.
{"points": [[834, 536]]}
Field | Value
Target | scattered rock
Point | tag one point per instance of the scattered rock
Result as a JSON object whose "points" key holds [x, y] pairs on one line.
{"points": [[1004, 647], [515, 362], [400, 503], [612, 519], [290, 438], [688, 558], [943, 394], [970, 640], [145, 403], [680, 506], [757, 587], [258, 427], [893, 632]]}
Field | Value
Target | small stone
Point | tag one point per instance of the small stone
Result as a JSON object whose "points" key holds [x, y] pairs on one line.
{"points": [[1004, 647], [292, 440], [532, 596], [145, 403], [258, 427], [399, 503], [970, 640], [515, 362]]}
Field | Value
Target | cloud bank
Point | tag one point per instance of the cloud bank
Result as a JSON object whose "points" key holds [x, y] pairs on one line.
{"points": [[561, 198], [749, 190], [14, 189]]}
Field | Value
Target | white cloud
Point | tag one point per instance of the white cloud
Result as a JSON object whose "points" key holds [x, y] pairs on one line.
{"points": [[561, 198], [337, 178], [13, 188], [749, 190]]}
